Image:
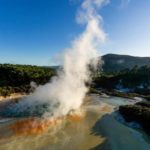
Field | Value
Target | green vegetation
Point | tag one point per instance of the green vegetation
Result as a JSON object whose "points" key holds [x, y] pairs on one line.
{"points": [[17, 78], [139, 112], [113, 62], [136, 80]]}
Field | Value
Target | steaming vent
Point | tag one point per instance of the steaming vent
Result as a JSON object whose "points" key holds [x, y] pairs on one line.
{"points": [[67, 90]]}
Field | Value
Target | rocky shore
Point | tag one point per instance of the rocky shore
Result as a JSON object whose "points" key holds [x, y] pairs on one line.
{"points": [[140, 113]]}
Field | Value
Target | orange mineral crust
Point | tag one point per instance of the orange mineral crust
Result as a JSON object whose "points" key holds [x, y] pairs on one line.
{"points": [[33, 126], [75, 118]]}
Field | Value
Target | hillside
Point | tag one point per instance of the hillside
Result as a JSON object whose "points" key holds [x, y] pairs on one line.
{"points": [[17, 78], [114, 62]]}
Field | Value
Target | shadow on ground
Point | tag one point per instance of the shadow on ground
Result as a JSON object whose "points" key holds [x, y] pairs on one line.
{"points": [[99, 130]]}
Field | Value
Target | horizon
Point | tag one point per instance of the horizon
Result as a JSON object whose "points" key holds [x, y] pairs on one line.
{"points": [[56, 65], [37, 32]]}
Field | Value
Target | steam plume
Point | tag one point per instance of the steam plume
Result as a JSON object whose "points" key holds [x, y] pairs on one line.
{"points": [[67, 90]]}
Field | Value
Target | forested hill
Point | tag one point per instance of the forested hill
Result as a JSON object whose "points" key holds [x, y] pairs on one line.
{"points": [[114, 62], [17, 78], [16, 75]]}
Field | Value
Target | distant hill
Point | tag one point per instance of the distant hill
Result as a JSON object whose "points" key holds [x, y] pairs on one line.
{"points": [[114, 62]]}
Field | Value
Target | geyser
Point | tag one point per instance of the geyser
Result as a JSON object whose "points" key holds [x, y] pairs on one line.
{"points": [[67, 90]]}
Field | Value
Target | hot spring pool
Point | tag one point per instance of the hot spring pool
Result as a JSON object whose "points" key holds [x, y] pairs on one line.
{"points": [[98, 129]]}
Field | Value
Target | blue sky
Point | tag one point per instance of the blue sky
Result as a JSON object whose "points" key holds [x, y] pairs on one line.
{"points": [[36, 31]]}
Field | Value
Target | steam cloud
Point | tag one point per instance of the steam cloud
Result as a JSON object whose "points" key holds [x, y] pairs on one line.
{"points": [[67, 90]]}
